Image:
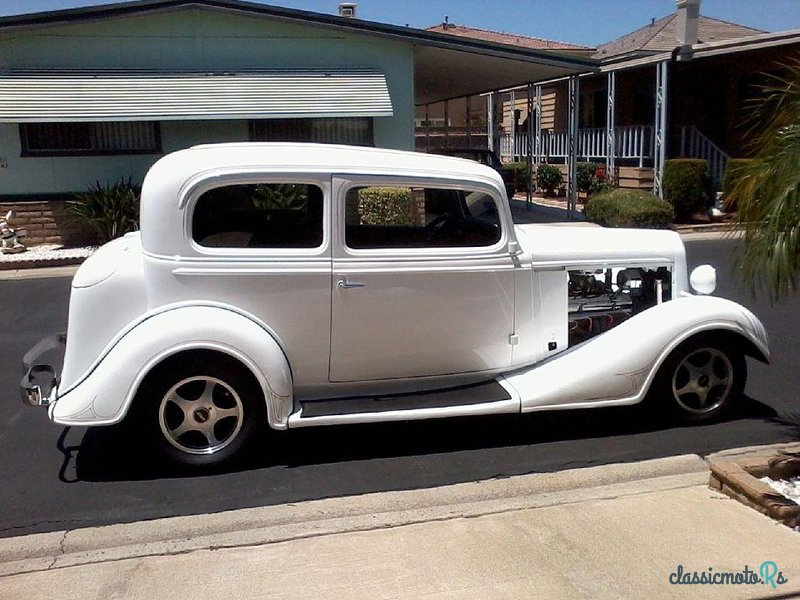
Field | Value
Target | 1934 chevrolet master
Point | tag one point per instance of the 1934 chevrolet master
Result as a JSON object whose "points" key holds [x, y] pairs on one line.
{"points": [[303, 285]]}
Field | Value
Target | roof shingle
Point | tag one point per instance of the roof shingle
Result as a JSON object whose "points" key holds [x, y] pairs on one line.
{"points": [[512, 39], [662, 36]]}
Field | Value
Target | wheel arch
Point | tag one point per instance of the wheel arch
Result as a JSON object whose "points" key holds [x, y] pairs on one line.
{"points": [[105, 393], [726, 334]]}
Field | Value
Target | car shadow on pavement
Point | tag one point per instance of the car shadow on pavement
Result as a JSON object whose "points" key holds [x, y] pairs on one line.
{"points": [[115, 454]]}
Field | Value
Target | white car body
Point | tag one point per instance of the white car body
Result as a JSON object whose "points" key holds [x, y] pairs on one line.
{"points": [[330, 323]]}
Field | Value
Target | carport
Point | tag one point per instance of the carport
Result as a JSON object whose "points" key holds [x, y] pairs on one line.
{"points": [[449, 68]]}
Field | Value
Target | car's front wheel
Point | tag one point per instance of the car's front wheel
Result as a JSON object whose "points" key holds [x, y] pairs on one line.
{"points": [[701, 380], [200, 409]]}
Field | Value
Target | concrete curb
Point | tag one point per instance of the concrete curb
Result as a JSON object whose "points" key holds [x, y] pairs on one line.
{"points": [[273, 524], [38, 273]]}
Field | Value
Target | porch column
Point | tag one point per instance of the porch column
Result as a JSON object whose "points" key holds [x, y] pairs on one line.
{"points": [[611, 140], [572, 147], [660, 149]]}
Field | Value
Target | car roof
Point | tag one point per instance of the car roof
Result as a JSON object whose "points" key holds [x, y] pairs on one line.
{"points": [[168, 180]]}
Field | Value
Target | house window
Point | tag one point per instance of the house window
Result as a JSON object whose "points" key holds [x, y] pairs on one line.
{"points": [[262, 215], [416, 217], [88, 139], [355, 131]]}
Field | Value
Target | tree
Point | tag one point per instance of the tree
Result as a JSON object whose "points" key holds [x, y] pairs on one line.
{"points": [[767, 189]]}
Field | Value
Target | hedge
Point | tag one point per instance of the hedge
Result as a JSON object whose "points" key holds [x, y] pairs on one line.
{"points": [[629, 208], [385, 206], [734, 169], [687, 186]]}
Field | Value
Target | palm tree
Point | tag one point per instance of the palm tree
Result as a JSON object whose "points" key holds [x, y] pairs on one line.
{"points": [[767, 188]]}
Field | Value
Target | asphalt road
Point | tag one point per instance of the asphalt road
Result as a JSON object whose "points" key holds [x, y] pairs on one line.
{"points": [[53, 478]]}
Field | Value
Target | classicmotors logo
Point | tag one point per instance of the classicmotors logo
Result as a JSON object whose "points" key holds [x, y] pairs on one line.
{"points": [[767, 574]]}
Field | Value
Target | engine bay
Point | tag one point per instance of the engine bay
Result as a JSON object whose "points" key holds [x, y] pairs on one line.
{"points": [[600, 299]]}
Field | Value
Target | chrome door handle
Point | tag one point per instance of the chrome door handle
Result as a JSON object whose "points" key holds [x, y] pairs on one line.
{"points": [[346, 285]]}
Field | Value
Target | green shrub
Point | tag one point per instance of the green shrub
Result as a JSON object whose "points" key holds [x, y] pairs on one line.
{"points": [[629, 208], [111, 210], [385, 206], [687, 186], [734, 169], [520, 171], [586, 175], [549, 178]]}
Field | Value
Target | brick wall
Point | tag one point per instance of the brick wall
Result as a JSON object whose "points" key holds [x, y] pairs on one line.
{"points": [[47, 222]]}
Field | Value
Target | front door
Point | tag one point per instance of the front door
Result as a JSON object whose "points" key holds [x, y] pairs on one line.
{"points": [[422, 280]]}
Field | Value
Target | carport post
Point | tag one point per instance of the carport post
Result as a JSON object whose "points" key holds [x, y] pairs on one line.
{"points": [[490, 120], [611, 141], [513, 98], [537, 141], [572, 143], [427, 130], [468, 102], [660, 150], [529, 152], [446, 124]]}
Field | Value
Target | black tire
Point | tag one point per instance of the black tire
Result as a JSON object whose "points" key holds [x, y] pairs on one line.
{"points": [[199, 409], [700, 381]]}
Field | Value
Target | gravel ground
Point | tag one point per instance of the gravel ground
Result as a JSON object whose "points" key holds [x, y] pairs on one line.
{"points": [[47, 252]]}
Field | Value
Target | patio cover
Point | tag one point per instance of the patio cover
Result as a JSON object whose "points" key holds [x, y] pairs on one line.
{"points": [[43, 96]]}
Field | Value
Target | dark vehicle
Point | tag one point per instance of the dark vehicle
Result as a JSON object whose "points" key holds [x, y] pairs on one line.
{"points": [[488, 158]]}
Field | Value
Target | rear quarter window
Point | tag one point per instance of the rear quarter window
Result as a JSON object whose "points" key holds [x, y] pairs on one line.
{"points": [[262, 215]]}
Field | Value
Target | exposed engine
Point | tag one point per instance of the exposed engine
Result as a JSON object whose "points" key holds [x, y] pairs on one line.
{"points": [[604, 298]]}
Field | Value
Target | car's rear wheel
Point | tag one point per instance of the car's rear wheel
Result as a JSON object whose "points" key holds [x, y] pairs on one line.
{"points": [[701, 380], [200, 409]]}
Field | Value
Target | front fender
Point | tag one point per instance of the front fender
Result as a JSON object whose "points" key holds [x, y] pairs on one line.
{"points": [[617, 367], [103, 394]]}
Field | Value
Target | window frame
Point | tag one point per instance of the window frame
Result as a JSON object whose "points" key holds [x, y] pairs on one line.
{"points": [[27, 152], [344, 183]]}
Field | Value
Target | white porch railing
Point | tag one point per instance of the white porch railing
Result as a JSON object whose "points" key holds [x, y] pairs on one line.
{"points": [[634, 142], [694, 144]]}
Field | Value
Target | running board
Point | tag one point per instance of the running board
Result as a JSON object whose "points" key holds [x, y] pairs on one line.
{"points": [[490, 397]]}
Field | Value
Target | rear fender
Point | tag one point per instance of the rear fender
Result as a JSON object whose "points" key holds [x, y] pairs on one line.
{"points": [[104, 393], [617, 367]]}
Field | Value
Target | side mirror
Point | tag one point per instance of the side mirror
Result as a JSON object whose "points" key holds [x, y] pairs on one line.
{"points": [[703, 280]]}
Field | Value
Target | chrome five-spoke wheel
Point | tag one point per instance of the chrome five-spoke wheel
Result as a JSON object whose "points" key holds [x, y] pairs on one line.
{"points": [[700, 379], [703, 380], [200, 408], [200, 415]]}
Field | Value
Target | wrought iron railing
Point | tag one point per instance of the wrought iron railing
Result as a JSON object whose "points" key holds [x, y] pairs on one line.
{"points": [[633, 142], [694, 144]]}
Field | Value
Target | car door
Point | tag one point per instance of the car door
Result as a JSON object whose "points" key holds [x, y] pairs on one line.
{"points": [[423, 280]]}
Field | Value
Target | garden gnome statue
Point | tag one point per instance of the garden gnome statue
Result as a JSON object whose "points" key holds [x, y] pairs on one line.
{"points": [[9, 238]]}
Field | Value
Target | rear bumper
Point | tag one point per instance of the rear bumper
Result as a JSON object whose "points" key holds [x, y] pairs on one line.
{"points": [[39, 384]]}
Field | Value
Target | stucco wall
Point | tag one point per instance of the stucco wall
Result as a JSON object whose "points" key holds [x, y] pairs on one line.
{"points": [[189, 39]]}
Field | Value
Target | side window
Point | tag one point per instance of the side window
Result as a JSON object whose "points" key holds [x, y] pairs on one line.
{"points": [[263, 215], [419, 217]]}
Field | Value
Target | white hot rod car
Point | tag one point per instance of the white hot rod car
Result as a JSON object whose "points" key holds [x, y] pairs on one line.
{"points": [[299, 285]]}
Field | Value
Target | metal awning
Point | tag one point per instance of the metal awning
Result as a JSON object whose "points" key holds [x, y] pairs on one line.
{"points": [[43, 96]]}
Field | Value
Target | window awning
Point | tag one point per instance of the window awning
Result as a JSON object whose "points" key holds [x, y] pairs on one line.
{"points": [[33, 97]]}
